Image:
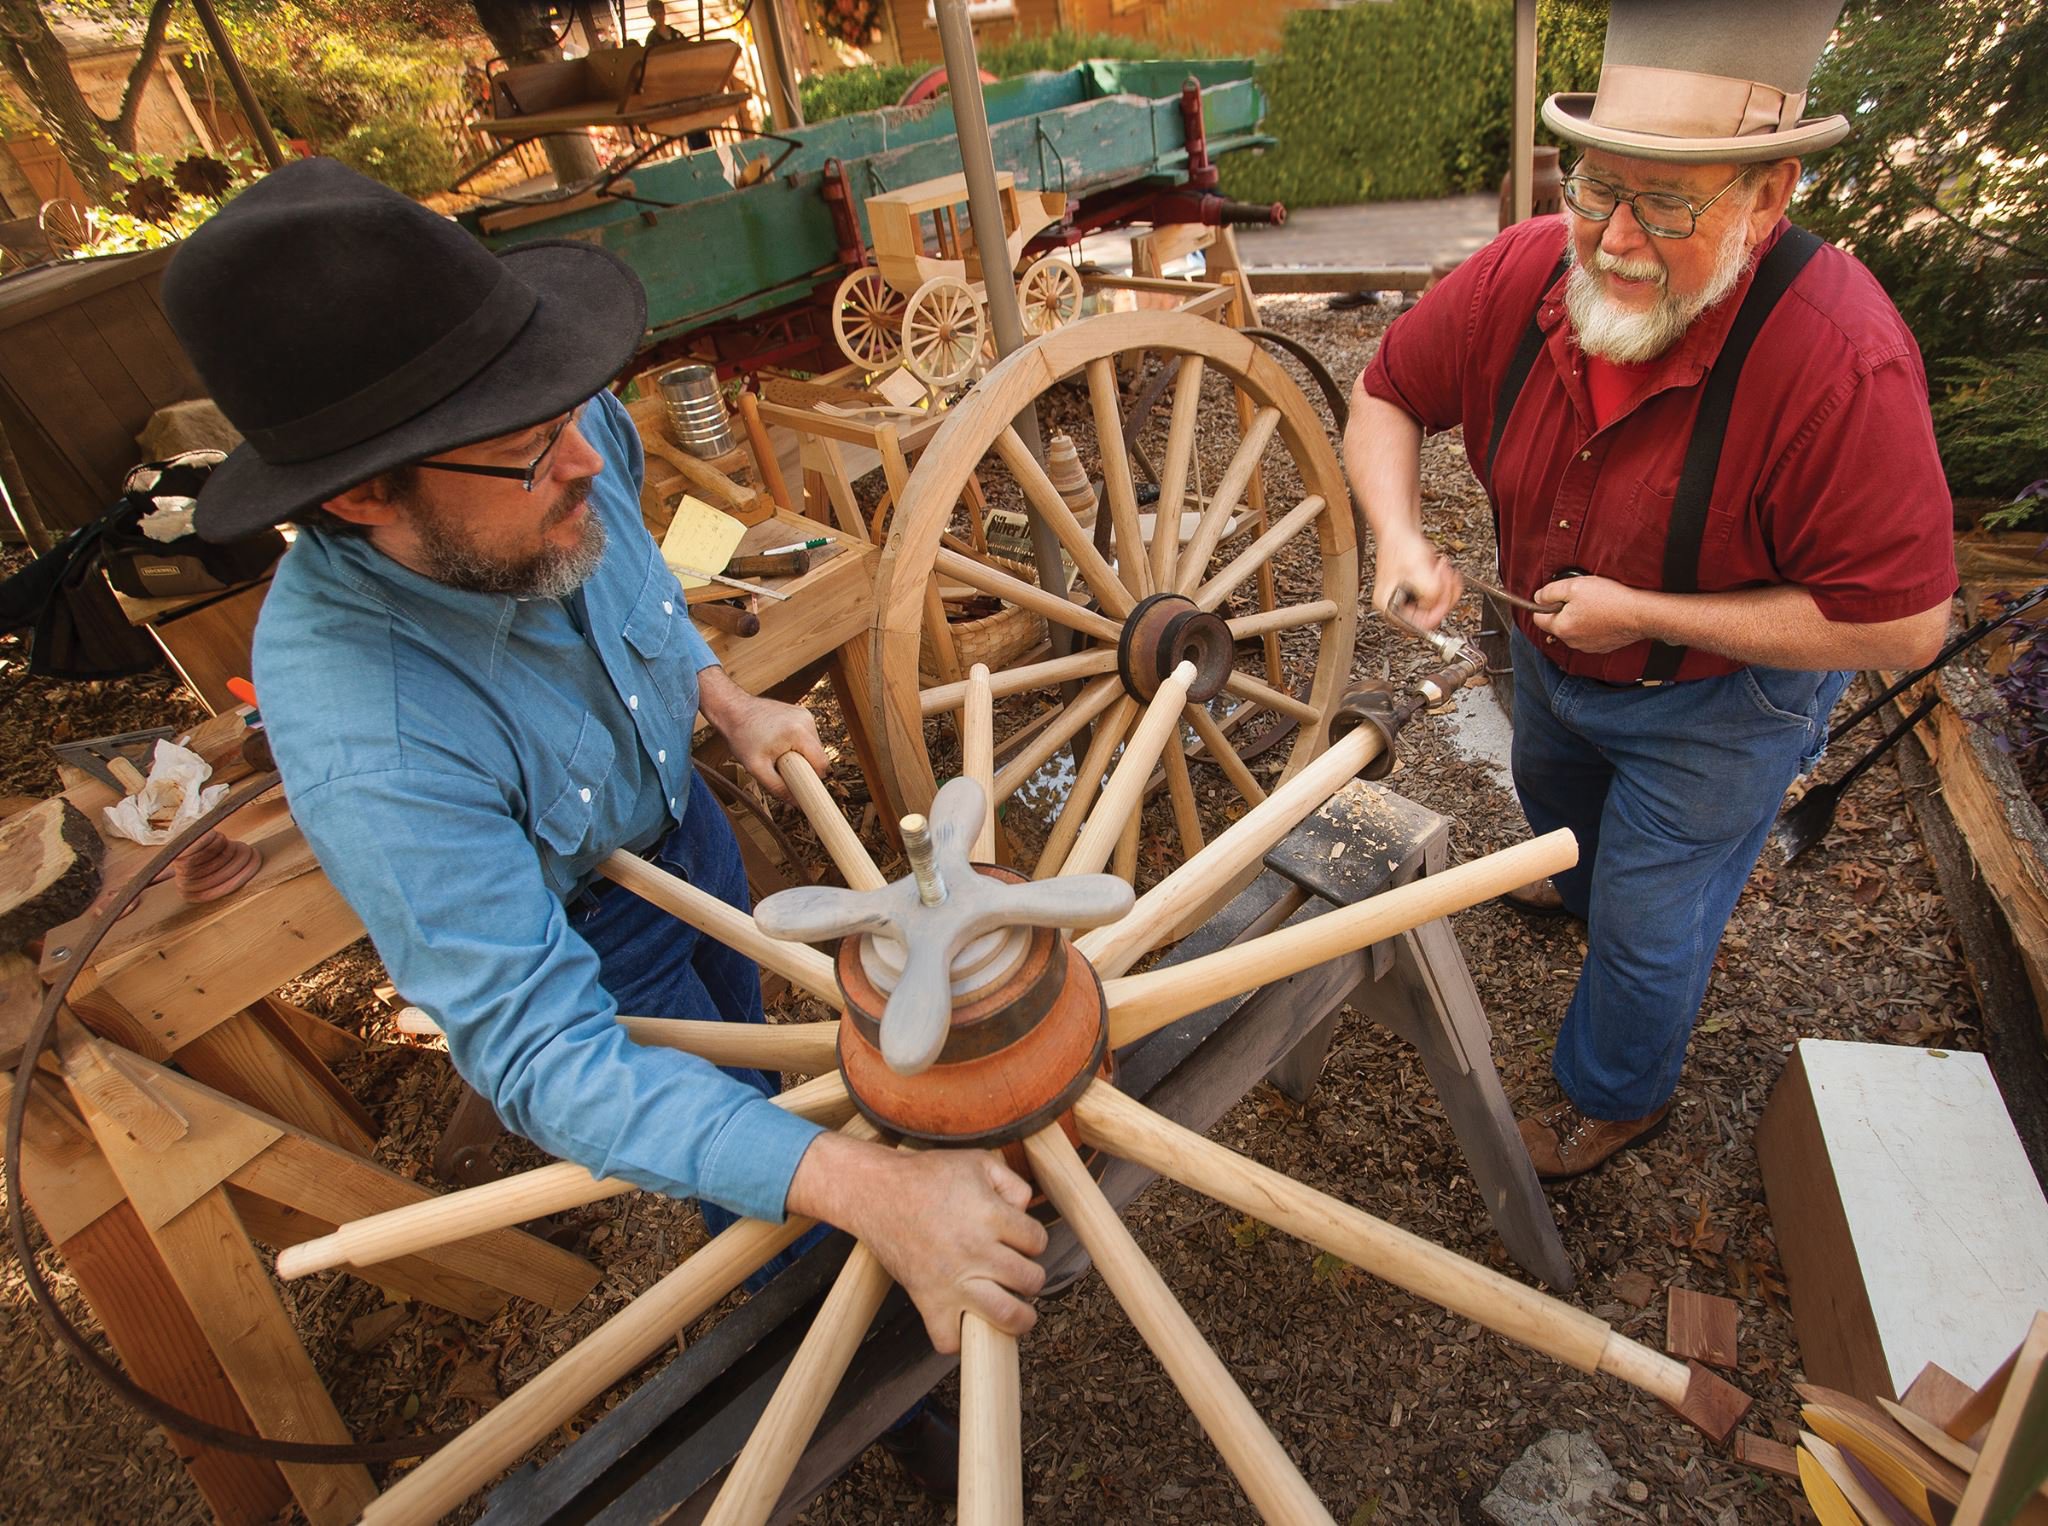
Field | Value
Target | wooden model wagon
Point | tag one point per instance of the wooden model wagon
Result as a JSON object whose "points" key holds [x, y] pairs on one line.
{"points": [[922, 300]]}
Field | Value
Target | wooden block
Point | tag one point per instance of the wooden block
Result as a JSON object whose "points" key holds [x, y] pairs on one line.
{"points": [[1700, 1327], [49, 869], [21, 1001], [1910, 1223], [1937, 1394], [1766, 1454], [1633, 1288]]}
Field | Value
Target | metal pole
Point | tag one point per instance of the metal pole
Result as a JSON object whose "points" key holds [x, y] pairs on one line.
{"points": [[985, 208], [1522, 164], [259, 124]]}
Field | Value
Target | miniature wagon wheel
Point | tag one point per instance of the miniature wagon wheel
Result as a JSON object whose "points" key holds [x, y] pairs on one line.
{"points": [[1142, 600], [867, 316], [1049, 294], [942, 332]]}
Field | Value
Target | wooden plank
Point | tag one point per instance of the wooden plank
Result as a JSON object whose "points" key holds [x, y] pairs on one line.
{"points": [[1910, 1223], [112, 385], [236, 1306], [1764, 1453], [162, 1347], [271, 1071], [138, 337], [1333, 278], [279, 1225], [1700, 1326], [2014, 1459]]}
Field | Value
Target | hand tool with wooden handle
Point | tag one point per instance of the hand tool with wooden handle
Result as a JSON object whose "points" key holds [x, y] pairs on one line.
{"points": [[780, 564], [729, 618]]}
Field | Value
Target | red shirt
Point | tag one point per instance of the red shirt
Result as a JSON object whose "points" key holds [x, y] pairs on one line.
{"points": [[1828, 476]]}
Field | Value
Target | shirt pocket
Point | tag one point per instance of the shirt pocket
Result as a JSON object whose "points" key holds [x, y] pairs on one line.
{"points": [[654, 630], [1628, 540], [566, 823]]}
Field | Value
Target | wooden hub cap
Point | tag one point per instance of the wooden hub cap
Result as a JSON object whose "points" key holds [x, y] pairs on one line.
{"points": [[1164, 631], [1019, 1050]]}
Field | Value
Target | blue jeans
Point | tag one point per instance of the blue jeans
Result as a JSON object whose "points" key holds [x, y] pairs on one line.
{"points": [[1671, 792], [657, 966]]}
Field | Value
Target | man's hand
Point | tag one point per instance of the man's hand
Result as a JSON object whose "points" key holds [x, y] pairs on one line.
{"points": [[1599, 614], [949, 1225], [1407, 567], [759, 731]]}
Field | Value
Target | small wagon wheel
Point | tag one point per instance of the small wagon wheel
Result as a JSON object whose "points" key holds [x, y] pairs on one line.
{"points": [[1049, 294], [866, 315], [942, 332], [65, 225], [1143, 598]]}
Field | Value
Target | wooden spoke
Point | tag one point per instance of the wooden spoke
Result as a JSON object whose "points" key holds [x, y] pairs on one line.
{"points": [[592, 1365], [808, 1049], [1131, 1131], [1212, 593], [1075, 808], [1290, 617], [991, 1427], [1078, 713], [942, 332], [1245, 686], [1180, 789], [1142, 1004], [1124, 864], [1045, 499], [1173, 485], [1270, 1479], [1050, 674], [554, 1188], [1123, 798], [1224, 501], [1216, 747], [1117, 484], [1115, 948], [866, 318], [978, 758], [990, 580], [829, 822], [784, 1429], [805, 968]]}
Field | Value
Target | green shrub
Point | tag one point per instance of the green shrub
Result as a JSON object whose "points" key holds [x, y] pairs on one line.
{"points": [[406, 154], [864, 89], [1404, 98]]}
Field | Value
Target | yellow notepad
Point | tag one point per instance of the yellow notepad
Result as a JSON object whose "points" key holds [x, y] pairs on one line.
{"points": [[699, 536]]}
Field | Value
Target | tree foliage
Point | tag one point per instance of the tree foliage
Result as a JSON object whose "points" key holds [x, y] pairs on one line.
{"points": [[34, 59], [1942, 190]]}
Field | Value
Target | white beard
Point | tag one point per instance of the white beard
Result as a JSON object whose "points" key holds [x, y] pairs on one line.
{"points": [[1628, 337]]}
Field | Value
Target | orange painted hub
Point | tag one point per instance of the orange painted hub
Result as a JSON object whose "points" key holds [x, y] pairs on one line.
{"points": [[1020, 1051]]}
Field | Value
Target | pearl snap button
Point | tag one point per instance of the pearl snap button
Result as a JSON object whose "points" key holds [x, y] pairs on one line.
{"points": [[586, 796], [632, 702], [661, 756], [667, 607]]}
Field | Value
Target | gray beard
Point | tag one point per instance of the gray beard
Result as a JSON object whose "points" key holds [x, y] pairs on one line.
{"points": [[550, 573], [1628, 338]]}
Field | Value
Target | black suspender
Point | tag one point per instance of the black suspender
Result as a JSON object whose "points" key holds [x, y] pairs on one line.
{"points": [[1688, 526], [1518, 372]]}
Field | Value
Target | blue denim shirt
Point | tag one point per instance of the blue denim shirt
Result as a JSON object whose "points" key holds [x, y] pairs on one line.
{"points": [[459, 763]]}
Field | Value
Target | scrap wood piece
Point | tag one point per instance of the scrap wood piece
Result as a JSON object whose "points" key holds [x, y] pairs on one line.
{"points": [[1633, 1288], [1700, 1326], [50, 859], [1760, 1451], [1906, 1470], [1937, 1394]]}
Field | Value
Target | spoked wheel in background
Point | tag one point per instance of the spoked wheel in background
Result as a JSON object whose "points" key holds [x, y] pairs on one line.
{"points": [[867, 319]]}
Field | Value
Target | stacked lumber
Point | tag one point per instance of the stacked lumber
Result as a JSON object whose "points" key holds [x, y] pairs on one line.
{"points": [[1944, 1453]]}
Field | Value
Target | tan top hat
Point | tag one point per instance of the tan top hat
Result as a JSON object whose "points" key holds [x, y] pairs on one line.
{"points": [[1705, 82]]}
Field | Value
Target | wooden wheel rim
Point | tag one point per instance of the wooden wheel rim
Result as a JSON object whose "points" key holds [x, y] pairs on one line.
{"points": [[866, 312], [942, 332], [969, 433], [1049, 294]]}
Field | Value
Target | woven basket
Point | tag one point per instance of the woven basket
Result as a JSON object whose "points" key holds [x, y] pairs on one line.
{"points": [[997, 639]]}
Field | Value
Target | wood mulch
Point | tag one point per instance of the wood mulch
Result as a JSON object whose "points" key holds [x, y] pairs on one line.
{"points": [[1395, 1410]]}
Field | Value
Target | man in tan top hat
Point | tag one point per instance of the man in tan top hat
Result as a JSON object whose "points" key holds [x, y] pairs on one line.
{"points": [[1706, 440]]}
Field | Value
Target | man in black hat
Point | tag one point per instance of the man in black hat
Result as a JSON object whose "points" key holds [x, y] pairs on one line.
{"points": [[480, 679], [1706, 439]]}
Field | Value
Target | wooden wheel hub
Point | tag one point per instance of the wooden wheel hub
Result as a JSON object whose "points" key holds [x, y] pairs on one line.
{"points": [[1021, 1047], [1165, 630]]}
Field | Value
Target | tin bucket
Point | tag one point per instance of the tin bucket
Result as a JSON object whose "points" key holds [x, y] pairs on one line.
{"points": [[697, 416]]}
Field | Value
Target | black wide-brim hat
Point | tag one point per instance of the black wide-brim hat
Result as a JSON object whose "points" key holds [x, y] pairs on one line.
{"points": [[346, 330]]}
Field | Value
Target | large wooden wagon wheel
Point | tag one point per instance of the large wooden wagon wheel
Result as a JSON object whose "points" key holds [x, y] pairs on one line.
{"points": [[1178, 579], [867, 319], [970, 1019]]}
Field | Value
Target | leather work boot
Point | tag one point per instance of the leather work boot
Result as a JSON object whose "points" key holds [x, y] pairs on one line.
{"points": [[1538, 898], [1563, 1142], [927, 1448]]}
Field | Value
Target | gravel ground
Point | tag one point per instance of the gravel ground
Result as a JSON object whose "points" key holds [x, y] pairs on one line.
{"points": [[1395, 1410]]}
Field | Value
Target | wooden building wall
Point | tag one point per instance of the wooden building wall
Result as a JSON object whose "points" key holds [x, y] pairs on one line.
{"points": [[917, 38], [1215, 28]]}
